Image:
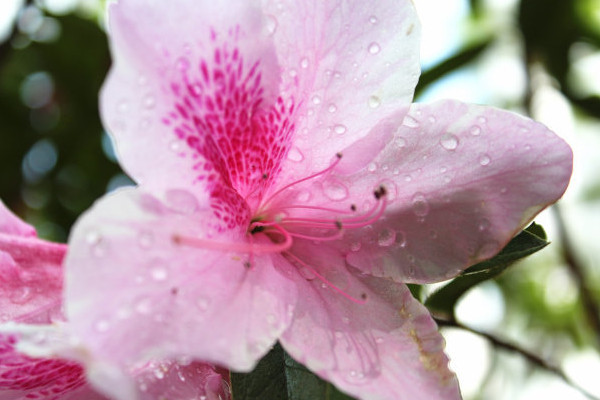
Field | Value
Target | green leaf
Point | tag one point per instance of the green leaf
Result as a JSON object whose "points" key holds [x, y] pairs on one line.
{"points": [[462, 58], [278, 376], [524, 244]]}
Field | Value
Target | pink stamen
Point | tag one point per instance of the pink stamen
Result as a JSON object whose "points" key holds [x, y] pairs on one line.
{"points": [[331, 210], [325, 280], [332, 166]]}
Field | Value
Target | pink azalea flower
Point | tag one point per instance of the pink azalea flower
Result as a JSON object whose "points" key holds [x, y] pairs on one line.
{"points": [[31, 280], [288, 190]]}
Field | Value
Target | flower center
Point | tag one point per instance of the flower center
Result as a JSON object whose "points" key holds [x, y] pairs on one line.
{"points": [[284, 223]]}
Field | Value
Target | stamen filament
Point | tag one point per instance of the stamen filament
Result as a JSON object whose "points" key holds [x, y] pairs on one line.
{"points": [[325, 280], [332, 166], [238, 247]]}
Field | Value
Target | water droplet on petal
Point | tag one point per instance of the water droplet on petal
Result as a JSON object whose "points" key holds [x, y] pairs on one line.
{"points": [[401, 238], [372, 167], [123, 106], [316, 99], [202, 303], [484, 225], [400, 142], [373, 19], [420, 206], [175, 146], [304, 63], [410, 122], [482, 120], [374, 48], [143, 306], [386, 237], [335, 190], [271, 24], [484, 159], [449, 141], [295, 154], [158, 373], [339, 129], [379, 340], [93, 237], [101, 325], [183, 64], [443, 169], [159, 273], [181, 201], [407, 178], [145, 239], [149, 101], [374, 101], [332, 108], [475, 130], [355, 246]]}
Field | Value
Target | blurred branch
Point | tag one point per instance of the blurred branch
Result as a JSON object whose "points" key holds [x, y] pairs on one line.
{"points": [[590, 305], [511, 347]]}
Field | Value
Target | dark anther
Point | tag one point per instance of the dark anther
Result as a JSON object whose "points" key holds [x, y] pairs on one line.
{"points": [[380, 192], [265, 176], [338, 155], [363, 296], [247, 264], [257, 229], [174, 291], [353, 207], [338, 225]]}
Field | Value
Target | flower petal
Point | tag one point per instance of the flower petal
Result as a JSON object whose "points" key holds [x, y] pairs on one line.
{"points": [[30, 278], [351, 65], [176, 299], [199, 98], [13, 225], [462, 180], [386, 348]]}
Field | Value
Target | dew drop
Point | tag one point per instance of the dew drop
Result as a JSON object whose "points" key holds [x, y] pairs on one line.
{"points": [[175, 146], [449, 141], [340, 129], [400, 142], [503, 190], [159, 374], [401, 239], [355, 246], [123, 106], [484, 225], [295, 155], [292, 72], [304, 63], [181, 201], [149, 102], [484, 159], [407, 178], [316, 99], [183, 64], [271, 25], [482, 120], [335, 191], [101, 325], [443, 169], [379, 340], [159, 273], [145, 239], [372, 167], [386, 237], [420, 206], [332, 108], [93, 237], [143, 306], [202, 303], [475, 130], [374, 101], [410, 122], [374, 48], [373, 19]]}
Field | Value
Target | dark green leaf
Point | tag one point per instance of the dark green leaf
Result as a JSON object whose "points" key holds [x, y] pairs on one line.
{"points": [[279, 377], [524, 244], [463, 57]]}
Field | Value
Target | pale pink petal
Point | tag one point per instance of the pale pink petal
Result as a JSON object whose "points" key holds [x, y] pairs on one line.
{"points": [[461, 181], [129, 275], [13, 225], [30, 278], [384, 345], [193, 95], [351, 64]]}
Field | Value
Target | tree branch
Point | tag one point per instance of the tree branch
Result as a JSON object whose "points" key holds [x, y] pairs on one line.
{"points": [[511, 347]]}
